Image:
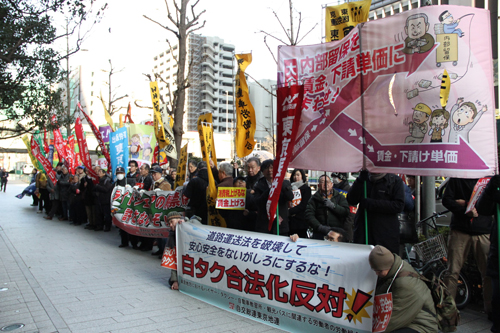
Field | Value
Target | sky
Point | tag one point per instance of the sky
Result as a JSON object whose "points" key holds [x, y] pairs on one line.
{"points": [[131, 41]]}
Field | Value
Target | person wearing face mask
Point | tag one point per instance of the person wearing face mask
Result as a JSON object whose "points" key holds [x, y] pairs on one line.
{"points": [[327, 209], [341, 184], [385, 200], [120, 177]]}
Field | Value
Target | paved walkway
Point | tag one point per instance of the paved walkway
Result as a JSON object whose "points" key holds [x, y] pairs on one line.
{"points": [[55, 277]]}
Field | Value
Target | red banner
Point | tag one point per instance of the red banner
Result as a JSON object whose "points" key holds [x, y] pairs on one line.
{"points": [[59, 144], [169, 259], [84, 150], [45, 142], [35, 150], [70, 153], [289, 102], [97, 134]]}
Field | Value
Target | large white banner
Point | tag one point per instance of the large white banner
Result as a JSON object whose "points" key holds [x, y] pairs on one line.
{"points": [[374, 96], [307, 286]]}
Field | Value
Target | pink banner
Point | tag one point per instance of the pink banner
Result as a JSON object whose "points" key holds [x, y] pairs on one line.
{"points": [[70, 152], [289, 102], [375, 96], [84, 150], [97, 135], [35, 150], [59, 145]]}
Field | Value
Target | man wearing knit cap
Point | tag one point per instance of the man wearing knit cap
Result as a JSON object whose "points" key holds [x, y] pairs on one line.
{"points": [[413, 307], [173, 219]]}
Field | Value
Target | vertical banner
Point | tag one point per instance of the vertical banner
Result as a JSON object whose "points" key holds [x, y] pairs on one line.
{"points": [[289, 104], [245, 114], [45, 142], [205, 130], [84, 150], [97, 134], [165, 138], [341, 19], [308, 286], [34, 161], [70, 153], [35, 150], [59, 145], [180, 178], [118, 149], [107, 116]]}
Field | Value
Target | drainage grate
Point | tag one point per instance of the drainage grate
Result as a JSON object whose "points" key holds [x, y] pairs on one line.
{"points": [[11, 327]]}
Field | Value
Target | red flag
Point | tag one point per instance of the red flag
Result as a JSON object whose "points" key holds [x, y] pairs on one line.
{"points": [[59, 144], [129, 114], [84, 151], [289, 103], [70, 151], [45, 142], [97, 135], [35, 150]]}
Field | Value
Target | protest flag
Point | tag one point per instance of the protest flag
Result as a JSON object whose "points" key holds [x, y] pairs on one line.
{"points": [[289, 103], [245, 119], [97, 134], [84, 150], [106, 115], [341, 19], [180, 178]]}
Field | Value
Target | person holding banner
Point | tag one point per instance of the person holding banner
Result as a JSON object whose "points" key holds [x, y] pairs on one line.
{"points": [[145, 180], [102, 209], [259, 199], [385, 200], [301, 196], [234, 218], [412, 305], [327, 208], [196, 191]]}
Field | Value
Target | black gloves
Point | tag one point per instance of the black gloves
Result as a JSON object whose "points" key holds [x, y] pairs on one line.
{"points": [[323, 229], [329, 204]]}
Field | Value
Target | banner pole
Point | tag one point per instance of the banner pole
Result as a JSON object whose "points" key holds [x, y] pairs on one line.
{"points": [[362, 94], [278, 219]]}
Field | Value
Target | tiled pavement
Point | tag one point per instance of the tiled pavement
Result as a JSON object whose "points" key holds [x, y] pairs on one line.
{"points": [[55, 277]]}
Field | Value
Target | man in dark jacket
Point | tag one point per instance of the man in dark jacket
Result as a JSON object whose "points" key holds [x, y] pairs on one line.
{"points": [[486, 206], [254, 172], [302, 195], [89, 199], [262, 189], [64, 184], [385, 199], [145, 181], [234, 218], [196, 191], [327, 208], [468, 230], [341, 183], [102, 211], [54, 192], [133, 175]]}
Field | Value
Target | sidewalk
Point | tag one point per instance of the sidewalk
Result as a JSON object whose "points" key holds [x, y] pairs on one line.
{"points": [[55, 277]]}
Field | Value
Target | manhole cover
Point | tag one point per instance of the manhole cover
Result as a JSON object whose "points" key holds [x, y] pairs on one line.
{"points": [[11, 327]]}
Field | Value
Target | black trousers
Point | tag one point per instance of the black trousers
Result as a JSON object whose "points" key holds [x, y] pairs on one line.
{"points": [[102, 215], [44, 200]]}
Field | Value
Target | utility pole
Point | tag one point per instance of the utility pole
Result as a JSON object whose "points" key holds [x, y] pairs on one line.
{"points": [[68, 85]]}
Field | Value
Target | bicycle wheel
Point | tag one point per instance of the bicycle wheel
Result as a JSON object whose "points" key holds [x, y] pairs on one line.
{"points": [[464, 290]]}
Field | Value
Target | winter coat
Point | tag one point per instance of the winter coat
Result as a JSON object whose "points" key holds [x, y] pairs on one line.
{"points": [[344, 187], [145, 182], [132, 179], [196, 191], [458, 188], [162, 184], [486, 206], [234, 218], [41, 181], [413, 306], [252, 180], [318, 214], [102, 191], [297, 214], [54, 190], [88, 196], [385, 199], [63, 184], [259, 200]]}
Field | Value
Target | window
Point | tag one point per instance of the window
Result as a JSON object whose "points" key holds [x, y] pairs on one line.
{"points": [[156, 58], [91, 93], [91, 83], [161, 64]]}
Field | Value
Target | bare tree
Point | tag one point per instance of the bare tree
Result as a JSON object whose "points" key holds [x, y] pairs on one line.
{"points": [[112, 99], [183, 25], [292, 37]]}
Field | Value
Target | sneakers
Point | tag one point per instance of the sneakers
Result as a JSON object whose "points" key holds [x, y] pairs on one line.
{"points": [[123, 245]]}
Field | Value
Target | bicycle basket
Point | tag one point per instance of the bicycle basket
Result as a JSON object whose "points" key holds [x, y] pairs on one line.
{"points": [[432, 248]]}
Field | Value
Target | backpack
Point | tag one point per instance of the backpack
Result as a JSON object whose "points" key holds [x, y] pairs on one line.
{"points": [[447, 313]]}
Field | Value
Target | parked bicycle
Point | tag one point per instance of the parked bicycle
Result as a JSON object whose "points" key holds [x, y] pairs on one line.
{"points": [[430, 257]]}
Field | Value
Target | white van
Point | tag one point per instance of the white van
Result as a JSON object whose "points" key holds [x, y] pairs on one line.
{"points": [[27, 169]]}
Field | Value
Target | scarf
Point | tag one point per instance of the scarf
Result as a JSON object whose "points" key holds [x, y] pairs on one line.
{"points": [[297, 185]]}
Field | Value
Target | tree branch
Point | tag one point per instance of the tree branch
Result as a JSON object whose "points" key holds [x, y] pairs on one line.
{"points": [[279, 40], [164, 27], [265, 42]]}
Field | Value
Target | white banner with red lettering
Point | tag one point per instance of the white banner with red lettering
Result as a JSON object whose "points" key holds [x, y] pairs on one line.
{"points": [[375, 96], [289, 101], [47, 166], [307, 286]]}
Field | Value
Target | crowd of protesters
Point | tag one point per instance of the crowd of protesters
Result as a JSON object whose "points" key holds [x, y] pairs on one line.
{"points": [[335, 212]]}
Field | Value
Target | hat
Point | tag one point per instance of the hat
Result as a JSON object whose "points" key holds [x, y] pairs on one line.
{"points": [[340, 175], [120, 170], [422, 108], [80, 167], [173, 215], [381, 258], [156, 169]]}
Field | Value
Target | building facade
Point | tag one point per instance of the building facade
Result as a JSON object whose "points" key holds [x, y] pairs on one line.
{"points": [[264, 104], [209, 67]]}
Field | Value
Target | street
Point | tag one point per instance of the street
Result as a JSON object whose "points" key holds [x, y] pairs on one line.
{"points": [[56, 277]]}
